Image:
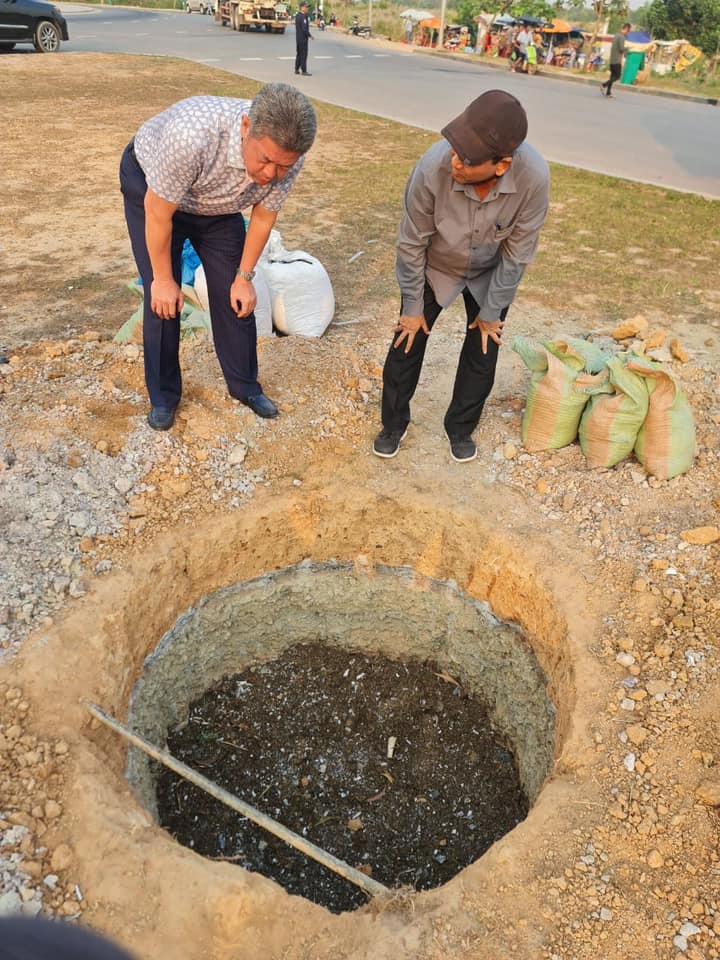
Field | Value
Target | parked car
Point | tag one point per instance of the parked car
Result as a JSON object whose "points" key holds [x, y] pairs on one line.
{"points": [[198, 6], [31, 21]]}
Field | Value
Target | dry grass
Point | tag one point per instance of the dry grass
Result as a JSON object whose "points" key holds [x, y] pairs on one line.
{"points": [[609, 249]]}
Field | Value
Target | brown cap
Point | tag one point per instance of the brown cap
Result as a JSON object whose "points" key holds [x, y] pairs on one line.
{"points": [[494, 125]]}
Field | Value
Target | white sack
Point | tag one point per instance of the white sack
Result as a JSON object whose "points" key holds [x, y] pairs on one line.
{"points": [[263, 308], [301, 293]]}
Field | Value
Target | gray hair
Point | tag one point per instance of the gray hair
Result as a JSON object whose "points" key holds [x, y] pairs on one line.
{"points": [[284, 114]]}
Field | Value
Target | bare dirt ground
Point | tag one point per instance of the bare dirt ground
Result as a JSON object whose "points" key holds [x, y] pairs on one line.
{"points": [[110, 532]]}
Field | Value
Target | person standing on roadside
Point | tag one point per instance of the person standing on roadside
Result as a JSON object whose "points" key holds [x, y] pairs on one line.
{"points": [[522, 39], [188, 174], [617, 51], [474, 205], [302, 35]]}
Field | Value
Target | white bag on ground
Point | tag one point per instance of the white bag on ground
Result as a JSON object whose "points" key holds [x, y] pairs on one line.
{"points": [[301, 293], [263, 308]]}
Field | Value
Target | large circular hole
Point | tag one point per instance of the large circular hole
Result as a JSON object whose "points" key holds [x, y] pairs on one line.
{"points": [[380, 622]]}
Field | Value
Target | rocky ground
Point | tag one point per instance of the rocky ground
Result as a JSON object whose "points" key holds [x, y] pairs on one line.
{"points": [[85, 485]]}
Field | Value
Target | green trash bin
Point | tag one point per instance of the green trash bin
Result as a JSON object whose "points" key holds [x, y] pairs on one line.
{"points": [[634, 62]]}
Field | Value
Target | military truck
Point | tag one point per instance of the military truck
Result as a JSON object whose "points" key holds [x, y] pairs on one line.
{"points": [[254, 15]]}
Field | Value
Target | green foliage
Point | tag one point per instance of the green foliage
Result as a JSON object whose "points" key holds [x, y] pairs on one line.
{"points": [[695, 20], [467, 10], [602, 8], [640, 17]]}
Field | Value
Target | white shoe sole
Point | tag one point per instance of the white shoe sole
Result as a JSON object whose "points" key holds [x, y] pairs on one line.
{"points": [[460, 459], [389, 456]]}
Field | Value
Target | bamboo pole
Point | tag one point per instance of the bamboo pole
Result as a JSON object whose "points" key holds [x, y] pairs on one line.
{"points": [[367, 884]]}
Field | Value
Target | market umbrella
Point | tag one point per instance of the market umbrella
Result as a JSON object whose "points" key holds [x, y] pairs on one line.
{"points": [[415, 14], [432, 23], [558, 26]]}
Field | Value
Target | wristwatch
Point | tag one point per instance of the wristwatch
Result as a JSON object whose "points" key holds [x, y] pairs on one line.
{"points": [[245, 274]]}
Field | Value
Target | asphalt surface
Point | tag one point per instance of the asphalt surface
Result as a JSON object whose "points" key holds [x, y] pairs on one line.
{"points": [[650, 139]]}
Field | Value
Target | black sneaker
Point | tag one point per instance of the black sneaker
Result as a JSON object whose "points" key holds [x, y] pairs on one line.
{"points": [[462, 449], [387, 442]]}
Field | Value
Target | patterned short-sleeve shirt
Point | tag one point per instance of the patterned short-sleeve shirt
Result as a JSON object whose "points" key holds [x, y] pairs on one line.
{"points": [[191, 155]]}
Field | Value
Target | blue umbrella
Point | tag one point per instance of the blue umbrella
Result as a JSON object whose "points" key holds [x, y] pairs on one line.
{"points": [[639, 36]]}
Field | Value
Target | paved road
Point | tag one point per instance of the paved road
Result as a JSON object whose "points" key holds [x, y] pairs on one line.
{"points": [[645, 138]]}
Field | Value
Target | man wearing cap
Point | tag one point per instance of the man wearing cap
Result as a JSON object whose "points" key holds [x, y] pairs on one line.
{"points": [[474, 205], [188, 173], [302, 35]]}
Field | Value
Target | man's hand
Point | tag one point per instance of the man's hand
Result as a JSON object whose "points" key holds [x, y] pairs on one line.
{"points": [[488, 328], [408, 327], [243, 297], [166, 299]]}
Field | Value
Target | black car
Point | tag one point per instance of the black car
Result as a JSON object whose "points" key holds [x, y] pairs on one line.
{"points": [[31, 21]]}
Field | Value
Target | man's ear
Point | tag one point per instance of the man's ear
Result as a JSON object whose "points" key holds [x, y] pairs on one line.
{"points": [[502, 166], [244, 125]]}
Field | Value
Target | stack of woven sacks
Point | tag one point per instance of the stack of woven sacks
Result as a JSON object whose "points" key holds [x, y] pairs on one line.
{"points": [[617, 404]]}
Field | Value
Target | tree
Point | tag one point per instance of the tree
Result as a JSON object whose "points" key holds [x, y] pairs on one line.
{"points": [[468, 10], [603, 9]]}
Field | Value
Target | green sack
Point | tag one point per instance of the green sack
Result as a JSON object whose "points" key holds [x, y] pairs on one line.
{"points": [[554, 405], [595, 358], [618, 405], [192, 319], [665, 444]]}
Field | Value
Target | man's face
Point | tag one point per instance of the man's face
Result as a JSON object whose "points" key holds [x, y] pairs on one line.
{"points": [[478, 173], [264, 160]]}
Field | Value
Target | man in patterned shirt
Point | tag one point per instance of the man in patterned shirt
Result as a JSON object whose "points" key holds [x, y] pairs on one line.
{"points": [[188, 174]]}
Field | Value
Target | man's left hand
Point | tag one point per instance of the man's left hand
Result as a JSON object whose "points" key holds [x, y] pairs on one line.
{"points": [[243, 298], [489, 329]]}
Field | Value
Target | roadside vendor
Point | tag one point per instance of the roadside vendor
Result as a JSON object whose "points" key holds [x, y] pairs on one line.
{"points": [[188, 174]]}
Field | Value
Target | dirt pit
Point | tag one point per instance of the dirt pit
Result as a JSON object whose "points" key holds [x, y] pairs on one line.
{"points": [[405, 769], [350, 587]]}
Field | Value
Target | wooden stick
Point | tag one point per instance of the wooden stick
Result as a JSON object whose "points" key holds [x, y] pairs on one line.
{"points": [[370, 886]]}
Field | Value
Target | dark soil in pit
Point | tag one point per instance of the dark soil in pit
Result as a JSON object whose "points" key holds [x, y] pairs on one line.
{"points": [[305, 739]]}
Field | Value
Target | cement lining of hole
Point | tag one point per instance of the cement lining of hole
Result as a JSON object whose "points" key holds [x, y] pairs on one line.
{"points": [[391, 610]]}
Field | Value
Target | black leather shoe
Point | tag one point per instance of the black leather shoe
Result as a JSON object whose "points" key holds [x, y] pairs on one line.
{"points": [[262, 406], [161, 418], [297, 73]]}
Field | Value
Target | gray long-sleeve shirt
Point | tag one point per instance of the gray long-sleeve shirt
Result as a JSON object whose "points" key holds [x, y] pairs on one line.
{"points": [[454, 239], [617, 48]]}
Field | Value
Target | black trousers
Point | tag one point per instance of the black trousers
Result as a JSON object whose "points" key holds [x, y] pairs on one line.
{"points": [[473, 381], [219, 243], [615, 71], [301, 55]]}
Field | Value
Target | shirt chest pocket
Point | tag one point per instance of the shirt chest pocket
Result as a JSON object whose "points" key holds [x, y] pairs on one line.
{"points": [[501, 233]]}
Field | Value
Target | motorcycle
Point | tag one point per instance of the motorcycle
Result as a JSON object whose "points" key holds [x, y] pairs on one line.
{"points": [[357, 30]]}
